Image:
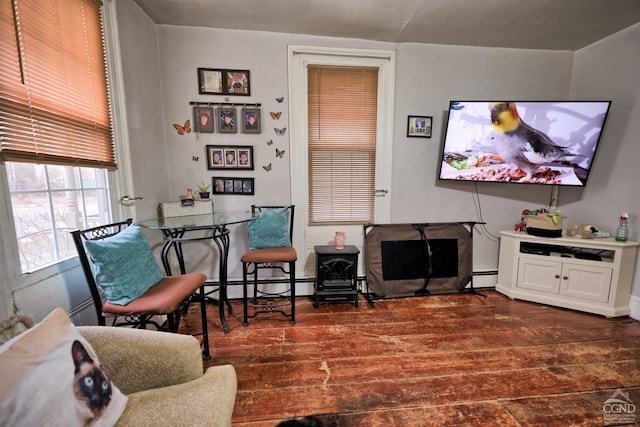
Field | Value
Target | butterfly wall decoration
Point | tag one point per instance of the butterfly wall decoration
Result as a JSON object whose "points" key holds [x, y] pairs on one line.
{"points": [[280, 99], [270, 142], [195, 158], [267, 167], [275, 115], [279, 153], [280, 132], [183, 129]]}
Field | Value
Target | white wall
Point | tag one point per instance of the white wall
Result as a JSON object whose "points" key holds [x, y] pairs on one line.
{"points": [[182, 51], [610, 69], [160, 65], [428, 76], [145, 106]]}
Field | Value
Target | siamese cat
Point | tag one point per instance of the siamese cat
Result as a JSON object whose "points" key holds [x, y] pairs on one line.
{"points": [[91, 386]]}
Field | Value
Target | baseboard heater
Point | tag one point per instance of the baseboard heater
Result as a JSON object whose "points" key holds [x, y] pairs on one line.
{"points": [[403, 260]]}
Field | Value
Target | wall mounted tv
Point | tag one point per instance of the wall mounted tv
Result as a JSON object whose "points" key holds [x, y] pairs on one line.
{"points": [[532, 142]]}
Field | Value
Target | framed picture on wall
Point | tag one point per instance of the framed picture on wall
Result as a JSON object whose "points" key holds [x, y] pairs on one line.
{"points": [[233, 186], [229, 157], [203, 119], [226, 118], [219, 81], [419, 126], [251, 120], [237, 82], [210, 81]]}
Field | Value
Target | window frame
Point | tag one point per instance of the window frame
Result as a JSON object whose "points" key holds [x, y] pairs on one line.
{"points": [[53, 281]]}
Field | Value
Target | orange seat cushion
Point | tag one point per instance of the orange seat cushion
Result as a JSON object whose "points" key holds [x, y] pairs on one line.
{"points": [[286, 254], [164, 297]]}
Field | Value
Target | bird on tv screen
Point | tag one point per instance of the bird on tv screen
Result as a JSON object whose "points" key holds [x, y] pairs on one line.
{"points": [[532, 142]]}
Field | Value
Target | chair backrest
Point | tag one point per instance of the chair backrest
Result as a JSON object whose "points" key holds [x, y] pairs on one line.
{"points": [[95, 233], [255, 210]]}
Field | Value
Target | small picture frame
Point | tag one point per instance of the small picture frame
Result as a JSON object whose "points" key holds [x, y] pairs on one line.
{"points": [[210, 81], [203, 119], [229, 157], [251, 120], [226, 118], [237, 82], [233, 186], [419, 126]]}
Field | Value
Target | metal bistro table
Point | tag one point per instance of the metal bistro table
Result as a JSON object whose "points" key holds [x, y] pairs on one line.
{"points": [[174, 230]]}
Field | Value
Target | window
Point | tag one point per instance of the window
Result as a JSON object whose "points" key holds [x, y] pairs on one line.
{"points": [[342, 111], [48, 202], [55, 123]]}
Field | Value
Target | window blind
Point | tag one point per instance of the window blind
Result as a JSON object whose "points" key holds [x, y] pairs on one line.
{"points": [[54, 102], [342, 109]]}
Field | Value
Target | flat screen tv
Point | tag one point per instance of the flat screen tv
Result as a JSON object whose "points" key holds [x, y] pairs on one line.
{"points": [[532, 142]]}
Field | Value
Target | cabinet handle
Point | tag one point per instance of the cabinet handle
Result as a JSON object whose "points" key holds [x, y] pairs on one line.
{"points": [[557, 276], [565, 278]]}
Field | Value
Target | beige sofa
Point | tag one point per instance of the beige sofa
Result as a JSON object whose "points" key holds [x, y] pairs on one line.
{"points": [[162, 374]]}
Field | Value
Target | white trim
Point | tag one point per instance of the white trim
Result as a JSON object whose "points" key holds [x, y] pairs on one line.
{"points": [[9, 254], [634, 305], [121, 181]]}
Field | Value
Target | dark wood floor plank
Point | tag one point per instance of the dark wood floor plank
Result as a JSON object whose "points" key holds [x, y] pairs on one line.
{"points": [[569, 408], [476, 414], [438, 360], [379, 394], [284, 374]]}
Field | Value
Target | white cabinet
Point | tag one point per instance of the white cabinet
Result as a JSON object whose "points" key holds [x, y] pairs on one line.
{"points": [[565, 278], [592, 275]]}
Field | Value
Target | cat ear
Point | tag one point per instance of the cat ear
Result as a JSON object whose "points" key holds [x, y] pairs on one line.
{"points": [[79, 354]]}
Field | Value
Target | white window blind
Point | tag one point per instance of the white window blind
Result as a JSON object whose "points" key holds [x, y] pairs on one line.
{"points": [[342, 109], [54, 102]]}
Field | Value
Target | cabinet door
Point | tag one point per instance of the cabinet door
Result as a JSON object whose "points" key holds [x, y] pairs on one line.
{"points": [[586, 282], [539, 275]]}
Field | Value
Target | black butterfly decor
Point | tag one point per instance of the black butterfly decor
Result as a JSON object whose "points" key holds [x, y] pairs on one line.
{"points": [[195, 158], [279, 153], [280, 132], [280, 99], [267, 168], [270, 142]]}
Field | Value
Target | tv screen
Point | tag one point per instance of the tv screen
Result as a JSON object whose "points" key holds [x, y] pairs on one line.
{"points": [[532, 142]]}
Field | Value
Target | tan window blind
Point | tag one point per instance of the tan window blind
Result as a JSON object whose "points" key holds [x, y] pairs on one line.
{"points": [[54, 102], [342, 108]]}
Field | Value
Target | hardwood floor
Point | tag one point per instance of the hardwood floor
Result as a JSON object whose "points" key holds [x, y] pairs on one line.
{"points": [[449, 360]]}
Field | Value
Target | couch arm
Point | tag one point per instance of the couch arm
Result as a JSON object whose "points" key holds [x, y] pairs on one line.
{"points": [[207, 401], [137, 359]]}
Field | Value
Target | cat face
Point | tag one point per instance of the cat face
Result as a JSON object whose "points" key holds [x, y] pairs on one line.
{"points": [[91, 386]]}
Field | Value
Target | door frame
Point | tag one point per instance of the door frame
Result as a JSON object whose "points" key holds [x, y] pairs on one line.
{"points": [[298, 59]]}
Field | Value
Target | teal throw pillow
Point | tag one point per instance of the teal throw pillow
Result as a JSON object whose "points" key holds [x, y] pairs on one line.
{"points": [[269, 229], [123, 265]]}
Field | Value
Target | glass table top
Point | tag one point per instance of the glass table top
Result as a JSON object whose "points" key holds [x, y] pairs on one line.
{"points": [[196, 222]]}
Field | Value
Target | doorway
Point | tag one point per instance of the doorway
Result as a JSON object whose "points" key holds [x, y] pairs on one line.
{"points": [[306, 234]]}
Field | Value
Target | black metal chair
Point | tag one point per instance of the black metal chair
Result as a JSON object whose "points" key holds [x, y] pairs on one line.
{"points": [[170, 296], [281, 258]]}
